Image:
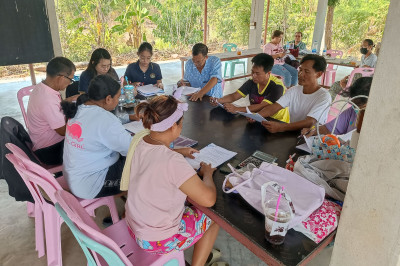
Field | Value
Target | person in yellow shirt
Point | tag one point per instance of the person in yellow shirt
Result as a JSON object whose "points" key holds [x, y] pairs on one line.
{"points": [[263, 89]]}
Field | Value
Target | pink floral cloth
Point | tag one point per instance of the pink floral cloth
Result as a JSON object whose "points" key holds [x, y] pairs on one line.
{"points": [[321, 222]]}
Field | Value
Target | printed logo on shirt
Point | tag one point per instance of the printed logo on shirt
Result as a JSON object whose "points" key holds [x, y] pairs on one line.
{"points": [[74, 131], [152, 75]]}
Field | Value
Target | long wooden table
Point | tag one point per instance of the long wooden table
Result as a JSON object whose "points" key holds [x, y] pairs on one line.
{"points": [[208, 124], [227, 56]]}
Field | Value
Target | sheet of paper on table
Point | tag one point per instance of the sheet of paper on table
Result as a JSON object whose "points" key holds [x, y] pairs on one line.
{"points": [[134, 126], [189, 90], [149, 90], [211, 154], [309, 141], [257, 117]]}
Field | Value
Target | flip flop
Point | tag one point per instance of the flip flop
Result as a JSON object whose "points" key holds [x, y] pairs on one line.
{"points": [[215, 254], [220, 263]]}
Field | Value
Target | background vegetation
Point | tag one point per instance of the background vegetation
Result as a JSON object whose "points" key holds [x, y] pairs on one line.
{"points": [[173, 26]]}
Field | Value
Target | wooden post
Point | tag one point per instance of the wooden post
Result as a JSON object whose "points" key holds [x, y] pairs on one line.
{"points": [[32, 72], [205, 23], [266, 23]]}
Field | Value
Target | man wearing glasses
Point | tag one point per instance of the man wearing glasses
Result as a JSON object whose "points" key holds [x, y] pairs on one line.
{"points": [[45, 119], [297, 42]]}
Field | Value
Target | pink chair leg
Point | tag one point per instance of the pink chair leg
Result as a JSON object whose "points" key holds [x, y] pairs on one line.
{"points": [[30, 207], [39, 232], [53, 236]]}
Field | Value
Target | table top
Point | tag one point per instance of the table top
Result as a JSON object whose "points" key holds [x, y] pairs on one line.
{"points": [[208, 124], [231, 55]]}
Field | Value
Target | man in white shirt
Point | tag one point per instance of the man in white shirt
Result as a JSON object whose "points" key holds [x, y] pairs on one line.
{"points": [[307, 101]]}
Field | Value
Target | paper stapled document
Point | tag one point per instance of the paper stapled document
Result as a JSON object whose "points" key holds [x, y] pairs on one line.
{"points": [[212, 154], [255, 116]]}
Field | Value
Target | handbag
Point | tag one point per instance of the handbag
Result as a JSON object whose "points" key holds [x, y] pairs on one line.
{"points": [[329, 146], [305, 195]]}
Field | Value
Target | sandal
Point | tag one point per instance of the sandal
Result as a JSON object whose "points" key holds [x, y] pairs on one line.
{"points": [[220, 263], [215, 254]]}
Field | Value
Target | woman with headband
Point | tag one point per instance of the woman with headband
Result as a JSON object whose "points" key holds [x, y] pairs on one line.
{"points": [[160, 179]]}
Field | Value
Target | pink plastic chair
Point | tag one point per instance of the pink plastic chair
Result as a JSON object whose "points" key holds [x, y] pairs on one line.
{"points": [[115, 237], [26, 91], [335, 108], [330, 74], [365, 72], [31, 173]]}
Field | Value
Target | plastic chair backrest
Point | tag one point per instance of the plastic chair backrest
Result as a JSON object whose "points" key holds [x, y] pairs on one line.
{"points": [[334, 53], [227, 47], [26, 91], [82, 220], [87, 244], [365, 72]]}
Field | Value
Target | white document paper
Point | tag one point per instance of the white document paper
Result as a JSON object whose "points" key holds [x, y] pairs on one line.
{"points": [[150, 89], [211, 154], [134, 127], [189, 90], [257, 117]]}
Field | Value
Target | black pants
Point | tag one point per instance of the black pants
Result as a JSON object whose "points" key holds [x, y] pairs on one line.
{"points": [[52, 155], [113, 179]]}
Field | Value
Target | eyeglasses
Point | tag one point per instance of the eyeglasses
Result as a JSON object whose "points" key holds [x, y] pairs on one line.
{"points": [[72, 81]]}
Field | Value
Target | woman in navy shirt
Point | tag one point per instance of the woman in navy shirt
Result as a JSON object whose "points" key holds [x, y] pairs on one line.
{"points": [[144, 72], [99, 64]]}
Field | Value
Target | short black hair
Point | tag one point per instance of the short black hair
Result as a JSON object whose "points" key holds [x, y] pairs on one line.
{"points": [[277, 33], [301, 34], [319, 62], [370, 42], [145, 46], [60, 65], [199, 48], [263, 60]]}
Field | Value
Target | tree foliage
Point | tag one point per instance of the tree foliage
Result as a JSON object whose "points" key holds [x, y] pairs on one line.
{"points": [[120, 24]]}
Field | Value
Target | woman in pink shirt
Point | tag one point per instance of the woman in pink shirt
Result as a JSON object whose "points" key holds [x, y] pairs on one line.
{"points": [[160, 181], [280, 68]]}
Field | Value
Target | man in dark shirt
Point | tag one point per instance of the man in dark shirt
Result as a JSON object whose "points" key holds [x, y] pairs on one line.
{"points": [[263, 89]]}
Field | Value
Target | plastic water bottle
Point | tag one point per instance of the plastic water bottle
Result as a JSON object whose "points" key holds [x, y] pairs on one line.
{"points": [[314, 47], [324, 52], [121, 99], [129, 94]]}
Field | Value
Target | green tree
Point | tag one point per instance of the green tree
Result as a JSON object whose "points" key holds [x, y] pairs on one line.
{"points": [[329, 23], [179, 22], [133, 18]]}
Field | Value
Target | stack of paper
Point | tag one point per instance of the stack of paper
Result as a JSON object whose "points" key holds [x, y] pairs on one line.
{"points": [[211, 154], [134, 127], [149, 90]]}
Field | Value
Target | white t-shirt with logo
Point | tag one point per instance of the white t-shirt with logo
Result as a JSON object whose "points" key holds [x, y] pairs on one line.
{"points": [[302, 105], [94, 140]]}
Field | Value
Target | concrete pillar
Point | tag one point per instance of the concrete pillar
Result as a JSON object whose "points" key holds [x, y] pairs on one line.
{"points": [[256, 26], [319, 26], [55, 35], [369, 229]]}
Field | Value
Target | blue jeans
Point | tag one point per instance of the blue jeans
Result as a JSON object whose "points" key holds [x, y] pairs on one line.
{"points": [[289, 74]]}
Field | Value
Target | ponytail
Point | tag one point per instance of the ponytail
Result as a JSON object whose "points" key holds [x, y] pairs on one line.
{"points": [[70, 108], [156, 110]]}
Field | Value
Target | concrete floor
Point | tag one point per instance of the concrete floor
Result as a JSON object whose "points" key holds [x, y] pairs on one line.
{"points": [[17, 229]]}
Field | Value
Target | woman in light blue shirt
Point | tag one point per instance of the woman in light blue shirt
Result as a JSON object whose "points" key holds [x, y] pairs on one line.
{"points": [[203, 71], [95, 143]]}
